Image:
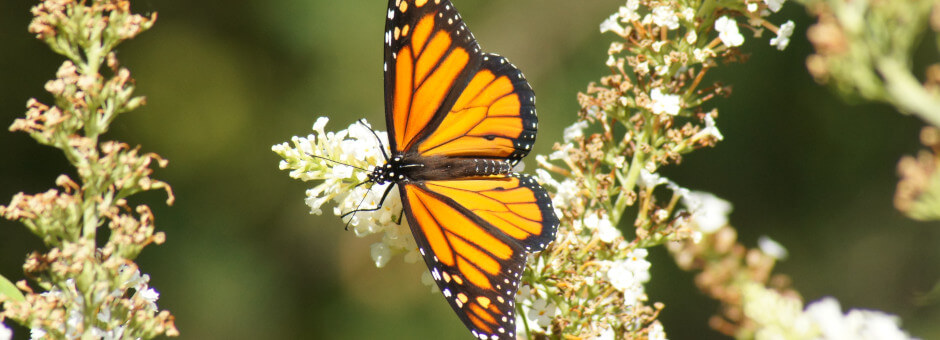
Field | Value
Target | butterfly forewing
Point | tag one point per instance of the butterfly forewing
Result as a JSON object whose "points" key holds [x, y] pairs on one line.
{"points": [[429, 56], [515, 206], [494, 116]]}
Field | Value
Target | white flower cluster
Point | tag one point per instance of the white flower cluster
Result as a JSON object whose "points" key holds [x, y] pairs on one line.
{"points": [[342, 160], [665, 16], [661, 14], [74, 303], [538, 310], [626, 14], [728, 32], [826, 315], [772, 248], [709, 212], [784, 32], [783, 35], [601, 225], [567, 193], [774, 5], [656, 331], [664, 103], [628, 275], [711, 129], [782, 317], [622, 270], [730, 35]]}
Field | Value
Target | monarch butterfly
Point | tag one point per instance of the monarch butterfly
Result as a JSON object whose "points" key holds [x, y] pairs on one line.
{"points": [[458, 121]]}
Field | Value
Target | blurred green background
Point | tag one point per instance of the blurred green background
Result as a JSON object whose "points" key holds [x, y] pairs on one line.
{"points": [[225, 80]]}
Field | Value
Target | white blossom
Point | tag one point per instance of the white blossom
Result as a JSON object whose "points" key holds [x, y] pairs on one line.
{"points": [[612, 24], [783, 35], [628, 275], [826, 315], [702, 54], [650, 179], [771, 247], [665, 16], [5, 333], [601, 224], [116, 333], [783, 317], [606, 334], [728, 32], [150, 295], [36, 333], [567, 192], [662, 70], [620, 161], [711, 129], [628, 12], [664, 103], [656, 331], [643, 68], [689, 14], [774, 5], [776, 316], [561, 153], [657, 46], [708, 211], [541, 312], [575, 131]]}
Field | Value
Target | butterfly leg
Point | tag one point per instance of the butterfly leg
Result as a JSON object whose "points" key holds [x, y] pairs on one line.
{"points": [[400, 215], [377, 207]]}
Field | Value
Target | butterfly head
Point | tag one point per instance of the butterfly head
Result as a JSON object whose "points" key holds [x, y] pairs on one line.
{"points": [[388, 172]]}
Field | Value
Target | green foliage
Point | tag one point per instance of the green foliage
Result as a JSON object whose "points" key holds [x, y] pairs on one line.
{"points": [[9, 290]]}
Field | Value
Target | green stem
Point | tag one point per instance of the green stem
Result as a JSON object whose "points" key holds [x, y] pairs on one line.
{"points": [[705, 11], [90, 180], [907, 93], [627, 184]]}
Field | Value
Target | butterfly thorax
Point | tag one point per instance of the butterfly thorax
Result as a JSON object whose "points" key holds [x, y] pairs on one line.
{"points": [[413, 167]]}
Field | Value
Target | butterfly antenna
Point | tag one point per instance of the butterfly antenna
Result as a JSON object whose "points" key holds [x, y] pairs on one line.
{"points": [[337, 162], [354, 211], [381, 146]]}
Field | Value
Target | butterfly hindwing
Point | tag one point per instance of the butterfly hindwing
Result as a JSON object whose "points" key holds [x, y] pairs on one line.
{"points": [[515, 206], [474, 235]]}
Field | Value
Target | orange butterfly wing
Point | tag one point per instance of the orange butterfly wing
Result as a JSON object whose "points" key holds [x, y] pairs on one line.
{"points": [[444, 96], [494, 116], [475, 234]]}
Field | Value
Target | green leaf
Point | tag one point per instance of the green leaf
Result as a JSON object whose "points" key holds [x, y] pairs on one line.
{"points": [[7, 288]]}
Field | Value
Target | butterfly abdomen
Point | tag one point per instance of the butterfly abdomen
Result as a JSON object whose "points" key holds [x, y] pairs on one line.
{"points": [[417, 168]]}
